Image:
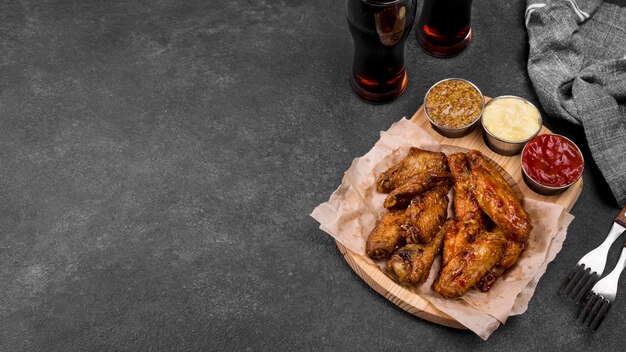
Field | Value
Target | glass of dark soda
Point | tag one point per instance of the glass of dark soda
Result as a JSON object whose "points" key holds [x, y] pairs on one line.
{"points": [[379, 30], [444, 29]]}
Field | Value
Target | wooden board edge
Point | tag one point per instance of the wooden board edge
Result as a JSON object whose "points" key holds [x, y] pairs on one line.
{"points": [[402, 297]]}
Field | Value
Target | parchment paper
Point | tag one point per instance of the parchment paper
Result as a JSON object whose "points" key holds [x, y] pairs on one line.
{"points": [[355, 207]]}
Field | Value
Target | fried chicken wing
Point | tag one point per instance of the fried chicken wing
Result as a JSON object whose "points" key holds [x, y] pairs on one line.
{"points": [[418, 161], [470, 218], [400, 197], [496, 198], [512, 251], [412, 263], [465, 205], [476, 159], [387, 236], [427, 213], [499, 202], [458, 237], [415, 227], [469, 265]]}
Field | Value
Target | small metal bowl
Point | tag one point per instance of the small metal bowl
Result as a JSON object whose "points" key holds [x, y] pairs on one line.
{"points": [[502, 146], [457, 132], [549, 190]]}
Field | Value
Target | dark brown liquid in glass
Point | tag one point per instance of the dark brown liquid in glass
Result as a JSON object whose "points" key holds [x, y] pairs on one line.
{"points": [[379, 32], [443, 29]]}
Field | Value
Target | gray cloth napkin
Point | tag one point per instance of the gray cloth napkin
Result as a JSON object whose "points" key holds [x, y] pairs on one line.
{"points": [[577, 64]]}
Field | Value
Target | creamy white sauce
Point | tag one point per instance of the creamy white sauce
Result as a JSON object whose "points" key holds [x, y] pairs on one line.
{"points": [[511, 119]]}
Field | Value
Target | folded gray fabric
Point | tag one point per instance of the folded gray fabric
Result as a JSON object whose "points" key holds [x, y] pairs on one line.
{"points": [[577, 64]]}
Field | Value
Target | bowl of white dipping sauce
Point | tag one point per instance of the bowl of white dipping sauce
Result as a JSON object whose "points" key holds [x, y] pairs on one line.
{"points": [[509, 122]]}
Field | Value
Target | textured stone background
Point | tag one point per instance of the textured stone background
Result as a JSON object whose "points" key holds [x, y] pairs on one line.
{"points": [[159, 159]]}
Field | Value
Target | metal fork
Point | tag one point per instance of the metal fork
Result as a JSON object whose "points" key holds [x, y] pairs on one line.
{"points": [[589, 268], [602, 296]]}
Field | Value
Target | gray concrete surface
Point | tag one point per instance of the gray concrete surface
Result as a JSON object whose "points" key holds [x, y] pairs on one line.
{"points": [[159, 159]]}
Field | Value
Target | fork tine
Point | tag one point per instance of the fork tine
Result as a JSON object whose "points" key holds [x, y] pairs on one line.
{"points": [[580, 284], [570, 278], [586, 307], [593, 278], [593, 312], [599, 318], [578, 275]]}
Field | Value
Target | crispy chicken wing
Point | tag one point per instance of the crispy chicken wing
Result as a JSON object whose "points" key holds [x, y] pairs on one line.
{"points": [[476, 159], [450, 243], [427, 213], [470, 218], [416, 229], [496, 198], [417, 161], [387, 236], [412, 262], [458, 237], [469, 265], [465, 205], [400, 197], [512, 251], [499, 202]]}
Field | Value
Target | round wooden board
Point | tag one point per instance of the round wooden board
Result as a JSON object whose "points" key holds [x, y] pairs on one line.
{"points": [[408, 298]]}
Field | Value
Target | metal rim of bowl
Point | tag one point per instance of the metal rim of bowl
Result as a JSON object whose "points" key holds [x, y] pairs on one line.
{"points": [[504, 140], [455, 129], [552, 188]]}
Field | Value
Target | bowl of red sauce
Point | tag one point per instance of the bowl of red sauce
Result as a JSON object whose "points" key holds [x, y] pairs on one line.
{"points": [[551, 163]]}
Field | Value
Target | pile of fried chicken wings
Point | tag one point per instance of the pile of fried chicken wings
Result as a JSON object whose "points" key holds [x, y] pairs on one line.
{"points": [[485, 237]]}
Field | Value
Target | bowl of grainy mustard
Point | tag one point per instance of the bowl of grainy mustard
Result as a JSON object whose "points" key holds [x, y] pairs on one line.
{"points": [[454, 106]]}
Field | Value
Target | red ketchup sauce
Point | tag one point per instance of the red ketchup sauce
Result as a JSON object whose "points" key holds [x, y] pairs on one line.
{"points": [[552, 160]]}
